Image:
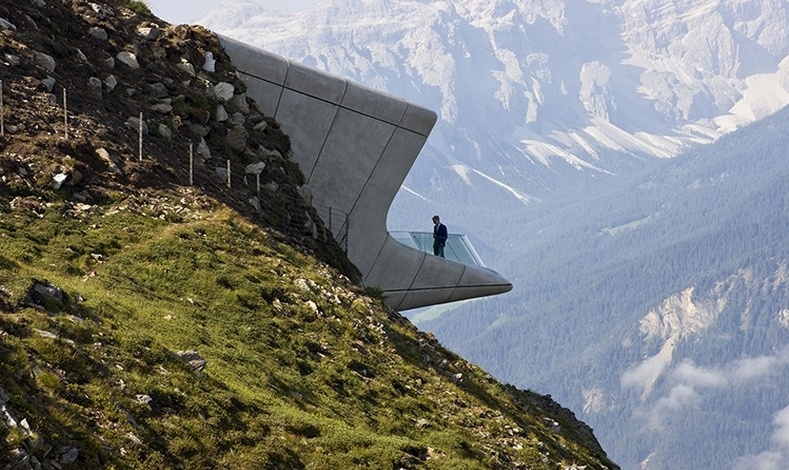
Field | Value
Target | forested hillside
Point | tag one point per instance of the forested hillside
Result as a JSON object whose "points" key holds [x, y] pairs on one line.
{"points": [[681, 269]]}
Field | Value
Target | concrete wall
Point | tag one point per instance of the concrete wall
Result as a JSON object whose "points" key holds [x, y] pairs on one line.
{"points": [[355, 146]]}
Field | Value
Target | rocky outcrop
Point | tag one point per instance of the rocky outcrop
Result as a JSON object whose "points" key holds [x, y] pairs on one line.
{"points": [[124, 74]]}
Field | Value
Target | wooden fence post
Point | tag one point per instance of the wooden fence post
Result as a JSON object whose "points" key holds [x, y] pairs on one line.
{"points": [[260, 202], [140, 136], [65, 113], [2, 111], [228, 173], [191, 165]]}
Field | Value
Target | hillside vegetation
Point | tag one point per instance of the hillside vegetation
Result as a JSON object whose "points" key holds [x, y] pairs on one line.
{"points": [[146, 322]]}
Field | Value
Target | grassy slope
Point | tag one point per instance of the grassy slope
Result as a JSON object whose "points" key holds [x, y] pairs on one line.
{"points": [[303, 369]]}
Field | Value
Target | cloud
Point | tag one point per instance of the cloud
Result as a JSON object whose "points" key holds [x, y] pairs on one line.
{"points": [[679, 397], [687, 382], [764, 461], [781, 435], [753, 368], [644, 372], [777, 456], [687, 372]]}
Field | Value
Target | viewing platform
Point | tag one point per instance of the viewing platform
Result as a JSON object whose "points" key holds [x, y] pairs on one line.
{"points": [[355, 146], [458, 247]]}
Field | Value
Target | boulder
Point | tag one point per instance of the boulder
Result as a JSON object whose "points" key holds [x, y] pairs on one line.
{"points": [[128, 58], [95, 85], [239, 103], [5, 24], [237, 138], [134, 123], [210, 63], [112, 164], [98, 33], [149, 33], [111, 82], [224, 91], [256, 168], [158, 90], [191, 357], [221, 113], [49, 83], [165, 132], [45, 61]]}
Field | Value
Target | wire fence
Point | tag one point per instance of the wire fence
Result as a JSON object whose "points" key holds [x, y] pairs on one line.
{"points": [[244, 186]]}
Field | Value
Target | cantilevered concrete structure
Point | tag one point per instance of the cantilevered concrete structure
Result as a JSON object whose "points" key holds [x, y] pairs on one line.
{"points": [[355, 146]]}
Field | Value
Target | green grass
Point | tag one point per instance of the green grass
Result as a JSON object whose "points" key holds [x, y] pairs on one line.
{"points": [[304, 369], [139, 7]]}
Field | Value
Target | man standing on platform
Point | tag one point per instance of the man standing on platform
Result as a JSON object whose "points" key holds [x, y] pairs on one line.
{"points": [[439, 236]]}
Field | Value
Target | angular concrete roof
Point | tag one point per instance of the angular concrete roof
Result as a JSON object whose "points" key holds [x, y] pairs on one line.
{"points": [[355, 146]]}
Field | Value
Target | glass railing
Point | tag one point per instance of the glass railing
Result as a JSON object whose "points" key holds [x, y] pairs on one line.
{"points": [[458, 248]]}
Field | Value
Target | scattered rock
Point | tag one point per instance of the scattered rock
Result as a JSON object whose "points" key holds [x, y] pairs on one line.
{"points": [[202, 149], [149, 33], [13, 60], [111, 163], [102, 10], [58, 180], [221, 113], [192, 358], [239, 104], [255, 168], [165, 132], [47, 291], [267, 153], [128, 58], [98, 33], [69, 455], [158, 90], [199, 129], [95, 85], [210, 63], [49, 83], [111, 82], [162, 108], [144, 399], [237, 138], [134, 123], [45, 61], [5, 24], [224, 91], [186, 67]]}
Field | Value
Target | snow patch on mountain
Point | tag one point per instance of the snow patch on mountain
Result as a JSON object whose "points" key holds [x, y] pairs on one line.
{"points": [[553, 82]]}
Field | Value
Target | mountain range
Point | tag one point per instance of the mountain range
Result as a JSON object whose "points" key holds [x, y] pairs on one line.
{"points": [[622, 162]]}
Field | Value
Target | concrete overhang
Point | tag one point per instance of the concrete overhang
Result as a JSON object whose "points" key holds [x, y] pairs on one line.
{"points": [[355, 146]]}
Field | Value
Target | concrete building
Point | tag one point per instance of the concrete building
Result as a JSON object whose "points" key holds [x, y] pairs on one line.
{"points": [[355, 146]]}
